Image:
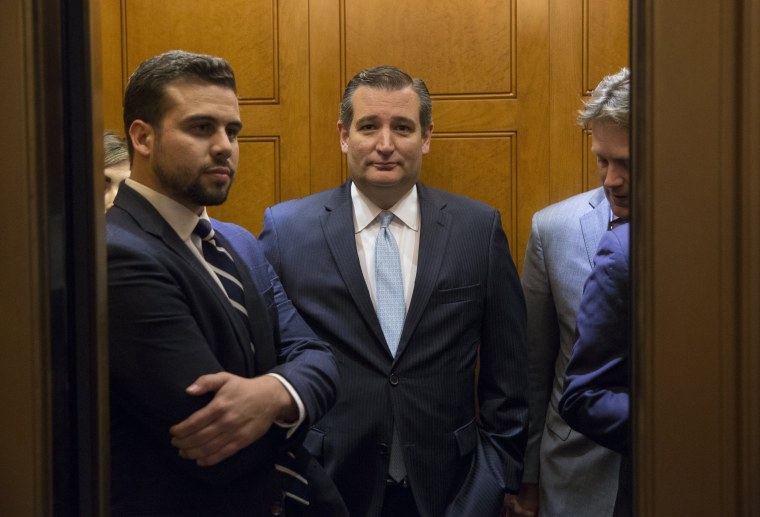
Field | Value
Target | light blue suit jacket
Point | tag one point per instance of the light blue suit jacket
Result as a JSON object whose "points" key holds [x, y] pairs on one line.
{"points": [[576, 476]]}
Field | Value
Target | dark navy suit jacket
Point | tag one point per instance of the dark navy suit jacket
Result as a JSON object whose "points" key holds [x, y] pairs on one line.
{"points": [[460, 455], [595, 400], [169, 324]]}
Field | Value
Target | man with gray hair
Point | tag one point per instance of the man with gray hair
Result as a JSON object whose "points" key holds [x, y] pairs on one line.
{"points": [[566, 473]]}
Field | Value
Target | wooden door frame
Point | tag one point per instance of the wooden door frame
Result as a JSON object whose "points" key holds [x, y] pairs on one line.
{"points": [[696, 257]]}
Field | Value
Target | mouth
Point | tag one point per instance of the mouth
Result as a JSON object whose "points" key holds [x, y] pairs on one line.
{"points": [[384, 166], [219, 173], [619, 200]]}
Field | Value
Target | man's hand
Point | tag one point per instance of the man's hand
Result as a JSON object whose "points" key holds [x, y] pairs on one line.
{"points": [[524, 504], [240, 413]]}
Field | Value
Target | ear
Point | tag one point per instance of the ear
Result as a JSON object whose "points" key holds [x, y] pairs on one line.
{"points": [[426, 137], [343, 132], [143, 137]]}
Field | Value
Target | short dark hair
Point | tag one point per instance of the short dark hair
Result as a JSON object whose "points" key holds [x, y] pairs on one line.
{"points": [[388, 78], [144, 96]]}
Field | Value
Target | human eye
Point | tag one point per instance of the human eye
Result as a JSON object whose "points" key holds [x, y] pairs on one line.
{"points": [[233, 132], [601, 161], [202, 128]]}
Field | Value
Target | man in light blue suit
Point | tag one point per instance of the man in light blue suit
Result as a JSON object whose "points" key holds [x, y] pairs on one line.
{"points": [[566, 473], [419, 407]]}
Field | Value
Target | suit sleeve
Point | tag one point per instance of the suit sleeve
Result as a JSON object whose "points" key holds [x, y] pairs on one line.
{"points": [[502, 386], [595, 399], [157, 349], [303, 359], [543, 345], [503, 380], [268, 241]]}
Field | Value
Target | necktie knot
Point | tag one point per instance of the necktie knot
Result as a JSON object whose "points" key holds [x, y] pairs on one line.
{"points": [[617, 222], [385, 218], [204, 230]]}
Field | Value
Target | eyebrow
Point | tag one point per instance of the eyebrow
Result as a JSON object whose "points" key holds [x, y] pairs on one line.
{"points": [[395, 120], [208, 118]]}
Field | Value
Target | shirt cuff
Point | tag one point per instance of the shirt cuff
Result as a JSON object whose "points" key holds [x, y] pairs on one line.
{"points": [[290, 426]]}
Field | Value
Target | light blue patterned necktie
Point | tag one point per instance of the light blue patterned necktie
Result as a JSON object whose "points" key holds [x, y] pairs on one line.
{"points": [[389, 285], [391, 311]]}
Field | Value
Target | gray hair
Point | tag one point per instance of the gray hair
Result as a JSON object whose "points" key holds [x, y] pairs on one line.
{"points": [[609, 102], [114, 149], [388, 78]]}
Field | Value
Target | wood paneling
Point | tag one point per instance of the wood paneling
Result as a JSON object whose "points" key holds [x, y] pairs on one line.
{"points": [[589, 40], [243, 31], [605, 39], [492, 159], [495, 67], [256, 183], [457, 48]]}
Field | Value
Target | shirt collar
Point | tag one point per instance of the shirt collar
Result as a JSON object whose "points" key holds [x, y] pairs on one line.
{"points": [[406, 209], [180, 218]]}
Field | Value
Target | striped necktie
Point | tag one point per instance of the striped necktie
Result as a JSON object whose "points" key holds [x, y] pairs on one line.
{"points": [[223, 266], [290, 464]]}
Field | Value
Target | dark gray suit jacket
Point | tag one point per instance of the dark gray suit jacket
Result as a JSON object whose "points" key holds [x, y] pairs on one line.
{"points": [[460, 455]]}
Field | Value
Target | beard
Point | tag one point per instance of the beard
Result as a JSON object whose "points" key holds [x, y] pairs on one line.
{"points": [[190, 185]]}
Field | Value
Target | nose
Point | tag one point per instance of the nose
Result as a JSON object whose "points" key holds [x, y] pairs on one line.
{"points": [[222, 145], [615, 175], [385, 142]]}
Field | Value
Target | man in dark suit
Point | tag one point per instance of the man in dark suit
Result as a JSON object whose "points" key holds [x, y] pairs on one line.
{"points": [[240, 368], [596, 394], [416, 428]]}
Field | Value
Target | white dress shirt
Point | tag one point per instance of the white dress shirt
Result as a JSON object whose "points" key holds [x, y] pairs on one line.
{"points": [[405, 227]]}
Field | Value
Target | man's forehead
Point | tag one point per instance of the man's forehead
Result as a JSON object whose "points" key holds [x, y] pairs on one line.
{"points": [[192, 96], [372, 101]]}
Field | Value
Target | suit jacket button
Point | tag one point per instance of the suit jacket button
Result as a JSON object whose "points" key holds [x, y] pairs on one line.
{"points": [[277, 508], [383, 448], [393, 379]]}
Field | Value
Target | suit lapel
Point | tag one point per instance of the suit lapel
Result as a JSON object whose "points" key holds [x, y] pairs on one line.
{"points": [[594, 223], [151, 222], [434, 234], [338, 227]]}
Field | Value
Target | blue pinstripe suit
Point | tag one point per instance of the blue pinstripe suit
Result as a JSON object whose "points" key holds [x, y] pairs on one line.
{"points": [[460, 456]]}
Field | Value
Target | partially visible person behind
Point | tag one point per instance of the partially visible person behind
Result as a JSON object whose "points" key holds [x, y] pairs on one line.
{"points": [[207, 352], [116, 158], [410, 285], [596, 394], [566, 473]]}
